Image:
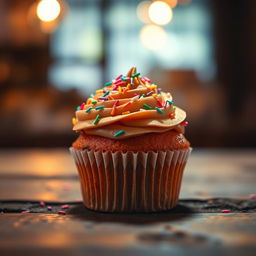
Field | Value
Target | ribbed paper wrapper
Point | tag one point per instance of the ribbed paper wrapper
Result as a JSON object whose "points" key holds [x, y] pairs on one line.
{"points": [[131, 181]]}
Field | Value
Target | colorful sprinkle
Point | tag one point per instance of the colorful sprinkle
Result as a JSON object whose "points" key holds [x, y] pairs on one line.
{"points": [[61, 212], [135, 75], [147, 106], [74, 121], [65, 206], [49, 208], [159, 110], [96, 120], [78, 108], [159, 90], [82, 106], [94, 102], [136, 97], [106, 93], [107, 84], [159, 103], [127, 104], [27, 211], [103, 98], [123, 78], [114, 87], [110, 97], [118, 77], [154, 94], [42, 204], [170, 102], [252, 196], [225, 211], [143, 96], [88, 110], [99, 107], [113, 110], [184, 123], [99, 91], [119, 89], [147, 79], [119, 133], [126, 112], [150, 93], [91, 95], [172, 115]]}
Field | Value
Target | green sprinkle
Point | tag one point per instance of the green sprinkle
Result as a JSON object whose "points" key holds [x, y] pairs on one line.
{"points": [[123, 79], [159, 110], [109, 83], [91, 95], [99, 107], [170, 102], [134, 75], [96, 120], [88, 110], [106, 93], [78, 108], [94, 102], [147, 106], [119, 133], [143, 95]]}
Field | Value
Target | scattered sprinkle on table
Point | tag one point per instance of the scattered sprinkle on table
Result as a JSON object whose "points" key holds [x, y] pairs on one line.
{"points": [[99, 107], [119, 133], [65, 206], [61, 212], [147, 106], [159, 110], [42, 204], [96, 120], [88, 110], [225, 211]]}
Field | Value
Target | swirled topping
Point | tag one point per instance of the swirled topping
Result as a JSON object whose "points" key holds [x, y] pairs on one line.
{"points": [[128, 106]]}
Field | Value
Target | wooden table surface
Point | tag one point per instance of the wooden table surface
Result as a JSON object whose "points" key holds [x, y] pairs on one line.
{"points": [[214, 180]]}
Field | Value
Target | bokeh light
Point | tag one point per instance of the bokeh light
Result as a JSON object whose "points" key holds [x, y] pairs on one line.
{"points": [[160, 13], [153, 37], [171, 3], [142, 11], [48, 10]]}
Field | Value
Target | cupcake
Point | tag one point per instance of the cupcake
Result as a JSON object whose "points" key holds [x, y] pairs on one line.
{"points": [[131, 151]]}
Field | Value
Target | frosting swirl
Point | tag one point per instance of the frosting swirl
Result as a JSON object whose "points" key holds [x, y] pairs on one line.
{"points": [[128, 106]]}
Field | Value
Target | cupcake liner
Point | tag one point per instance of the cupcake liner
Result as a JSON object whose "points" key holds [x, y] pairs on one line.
{"points": [[131, 181]]}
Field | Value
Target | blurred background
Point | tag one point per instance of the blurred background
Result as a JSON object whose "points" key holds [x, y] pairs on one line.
{"points": [[54, 53]]}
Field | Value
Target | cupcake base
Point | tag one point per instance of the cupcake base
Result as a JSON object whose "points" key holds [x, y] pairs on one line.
{"points": [[131, 181]]}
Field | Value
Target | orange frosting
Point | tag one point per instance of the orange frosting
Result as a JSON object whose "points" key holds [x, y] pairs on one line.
{"points": [[134, 106]]}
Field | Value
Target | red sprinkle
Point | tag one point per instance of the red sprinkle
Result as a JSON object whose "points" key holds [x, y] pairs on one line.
{"points": [[184, 123], [61, 212], [25, 212], [225, 211], [118, 77], [49, 207], [42, 203], [127, 104], [252, 196], [147, 79], [65, 206], [82, 106], [159, 103]]}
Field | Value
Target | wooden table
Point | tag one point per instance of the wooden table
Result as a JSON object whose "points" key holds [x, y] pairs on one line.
{"points": [[214, 180]]}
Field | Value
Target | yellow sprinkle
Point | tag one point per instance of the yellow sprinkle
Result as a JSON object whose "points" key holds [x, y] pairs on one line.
{"points": [[119, 89], [153, 86], [126, 112], [74, 121], [128, 86], [89, 101], [99, 91], [154, 94]]}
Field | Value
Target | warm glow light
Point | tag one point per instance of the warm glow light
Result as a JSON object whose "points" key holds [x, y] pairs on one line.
{"points": [[160, 12], [171, 3], [142, 11], [153, 37], [48, 10]]}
